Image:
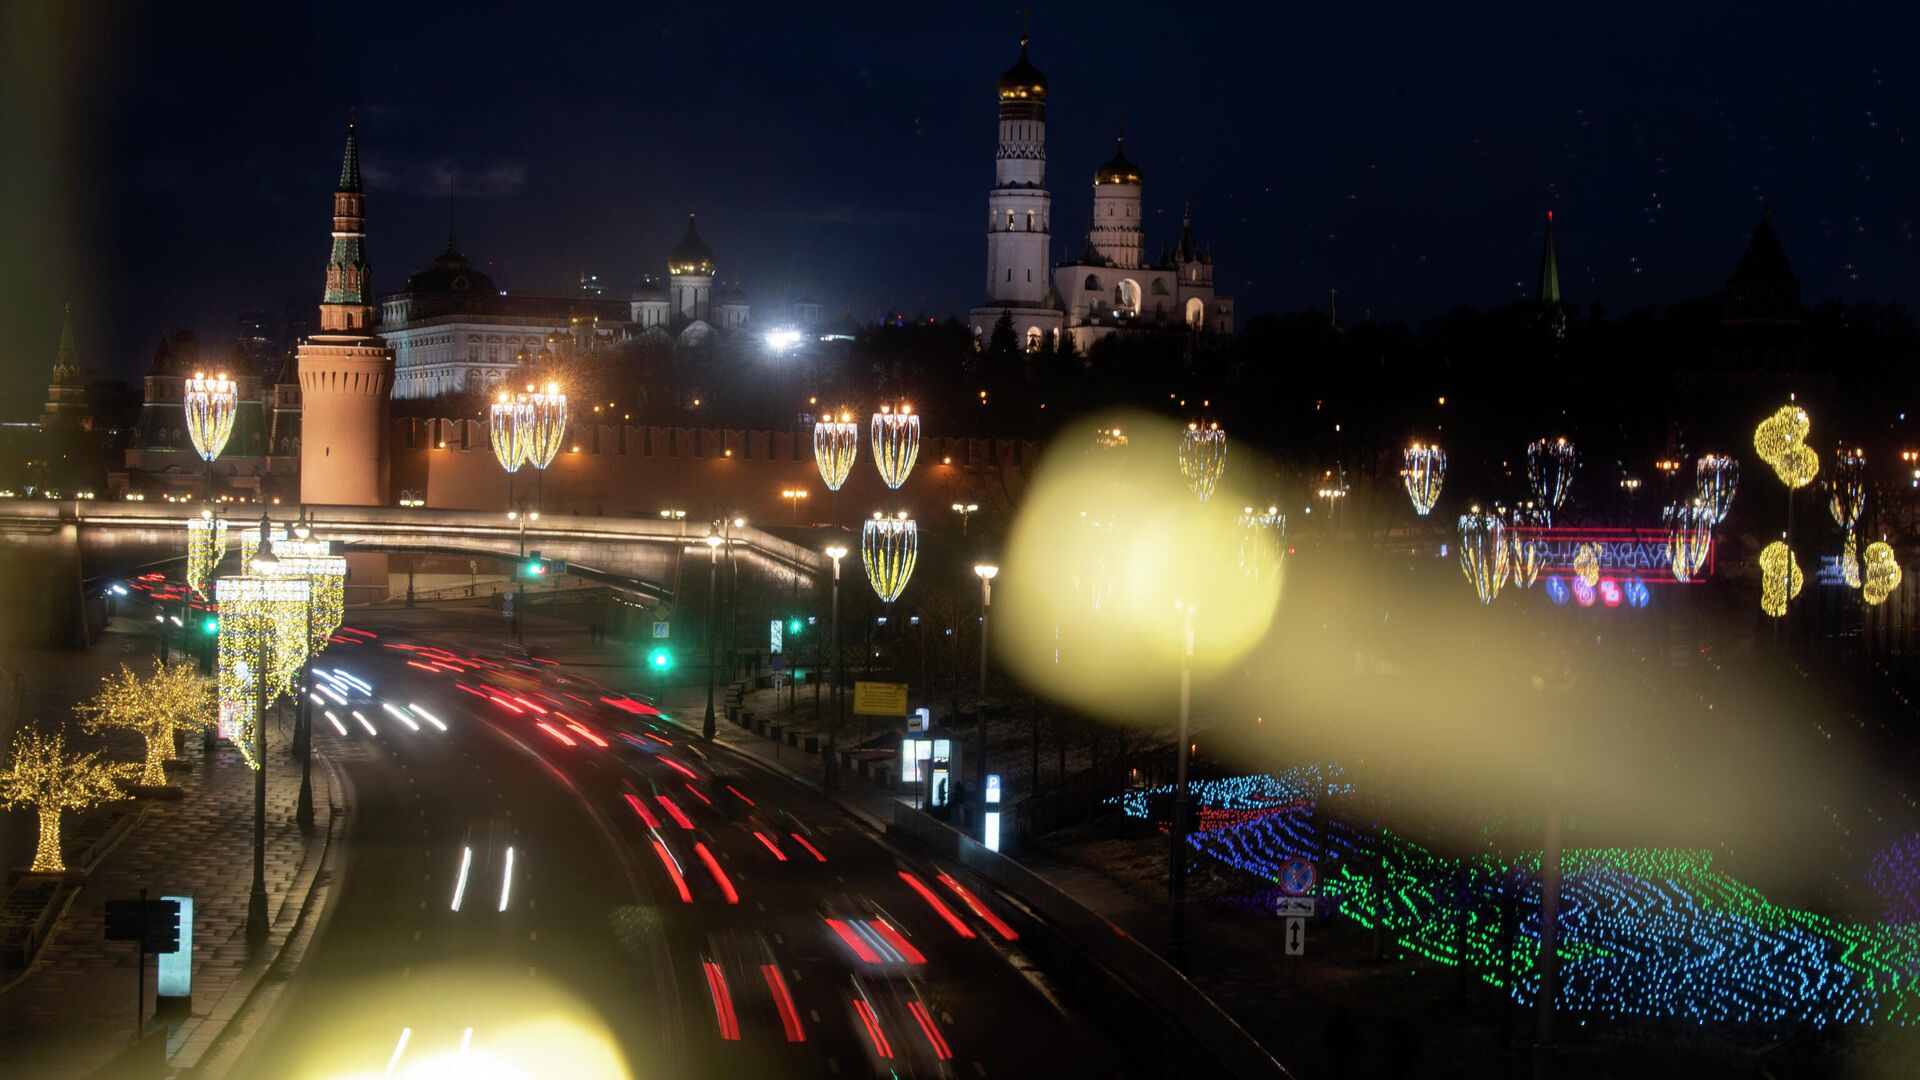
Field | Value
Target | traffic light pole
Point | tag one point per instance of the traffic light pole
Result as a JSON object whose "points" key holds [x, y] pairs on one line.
{"points": [[713, 575], [832, 776]]}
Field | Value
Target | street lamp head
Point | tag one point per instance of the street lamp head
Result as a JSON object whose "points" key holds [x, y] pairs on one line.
{"points": [[533, 515], [713, 541], [264, 560], [739, 523], [987, 571], [836, 552], [513, 515]]}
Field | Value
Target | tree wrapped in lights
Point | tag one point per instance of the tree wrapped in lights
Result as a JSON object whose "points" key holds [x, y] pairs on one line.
{"points": [[896, 443], [1689, 537], [1550, 467], [836, 445], [889, 546], [206, 546], [1780, 440], [1880, 573], [41, 774], [1425, 471], [1263, 542], [263, 634], [1483, 552], [1780, 578], [548, 422], [1846, 501], [1203, 457], [172, 699], [1716, 479], [210, 406], [510, 424]]}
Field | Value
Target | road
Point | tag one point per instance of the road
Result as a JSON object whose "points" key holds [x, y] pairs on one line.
{"points": [[543, 876]]}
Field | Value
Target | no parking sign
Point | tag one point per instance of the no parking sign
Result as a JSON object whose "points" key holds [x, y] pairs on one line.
{"points": [[1298, 877]]}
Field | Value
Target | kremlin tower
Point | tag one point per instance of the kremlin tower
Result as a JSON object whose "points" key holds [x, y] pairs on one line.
{"points": [[346, 371]]}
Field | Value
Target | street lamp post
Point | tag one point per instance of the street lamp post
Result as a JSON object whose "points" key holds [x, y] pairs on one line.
{"points": [[794, 496], [713, 577], [986, 572], [512, 579], [1177, 857], [832, 775], [263, 560], [966, 511]]}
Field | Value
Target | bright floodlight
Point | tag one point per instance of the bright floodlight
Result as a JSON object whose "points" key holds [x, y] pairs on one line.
{"points": [[836, 553], [783, 339], [713, 540], [987, 571]]}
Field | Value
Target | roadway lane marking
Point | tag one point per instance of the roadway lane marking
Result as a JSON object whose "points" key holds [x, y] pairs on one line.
{"points": [[814, 1014], [778, 940]]}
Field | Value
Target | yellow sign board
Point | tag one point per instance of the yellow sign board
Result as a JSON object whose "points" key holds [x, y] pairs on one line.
{"points": [[880, 698]]}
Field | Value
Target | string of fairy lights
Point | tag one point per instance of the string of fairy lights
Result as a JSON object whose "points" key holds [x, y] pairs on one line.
{"points": [[263, 635], [1652, 933]]}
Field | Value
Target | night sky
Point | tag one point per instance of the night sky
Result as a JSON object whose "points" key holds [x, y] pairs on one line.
{"points": [[176, 162]]}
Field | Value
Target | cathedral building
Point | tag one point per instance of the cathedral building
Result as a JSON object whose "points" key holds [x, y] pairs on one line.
{"points": [[1110, 286]]}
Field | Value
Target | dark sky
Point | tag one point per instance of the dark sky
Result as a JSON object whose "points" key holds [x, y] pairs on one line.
{"points": [[179, 158]]}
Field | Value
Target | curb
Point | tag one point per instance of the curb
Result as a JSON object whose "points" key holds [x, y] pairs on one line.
{"points": [[200, 1050]]}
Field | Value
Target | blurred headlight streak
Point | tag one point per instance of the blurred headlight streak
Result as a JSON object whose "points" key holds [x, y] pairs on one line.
{"points": [[1103, 549]]}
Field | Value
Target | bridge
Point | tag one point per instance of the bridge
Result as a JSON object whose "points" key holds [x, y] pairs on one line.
{"points": [[57, 555]]}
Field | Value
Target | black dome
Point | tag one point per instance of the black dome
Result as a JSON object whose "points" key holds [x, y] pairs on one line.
{"points": [[1023, 81], [691, 255], [1119, 170]]}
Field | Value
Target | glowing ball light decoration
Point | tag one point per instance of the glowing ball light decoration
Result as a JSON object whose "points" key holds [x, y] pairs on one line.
{"points": [[262, 634], [896, 443], [1263, 542], [1780, 440], [1780, 578], [1425, 471], [210, 405], [510, 425], [548, 414], [1716, 479], [1689, 538], [1880, 573], [836, 444], [1483, 553], [1203, 457], [1550, 467], [206, 546], [889, 546], [1846, 501]]}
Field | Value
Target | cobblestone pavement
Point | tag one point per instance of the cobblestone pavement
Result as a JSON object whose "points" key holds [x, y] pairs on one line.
{"points": [[73, 1011]]}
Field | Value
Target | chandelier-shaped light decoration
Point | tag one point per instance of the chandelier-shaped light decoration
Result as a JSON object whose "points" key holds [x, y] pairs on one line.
{"points": [[896, 443], [1425, 471], [250, 542], [1689, 538], [1846, 501], [1586, 564], [206, 545], [889, 546], [836, 444], [1483, 552], [1526, 552], [1716, 479], [1203, 457], [262, 634], [210, 405], [1780, 578], [1263, 542], [510, 425], [549, 409], [326, 575], [1781, 441], [1880, 573], [1550, 467]]}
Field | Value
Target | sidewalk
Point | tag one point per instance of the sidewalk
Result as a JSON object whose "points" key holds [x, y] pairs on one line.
{"points": [[72, 1012]]}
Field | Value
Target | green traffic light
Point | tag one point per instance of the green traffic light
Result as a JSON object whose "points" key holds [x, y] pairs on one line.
{"points": [[660, 659], [794, 625], [211, 626]]}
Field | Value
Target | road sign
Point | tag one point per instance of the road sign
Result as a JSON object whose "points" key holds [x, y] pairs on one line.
{"points": [[1294, 907], [1296, 937], [506, 604], [920, 721], [1298, 877], [660, 630], [155, 924], [175, 978], [880, 698], [778, 662]]}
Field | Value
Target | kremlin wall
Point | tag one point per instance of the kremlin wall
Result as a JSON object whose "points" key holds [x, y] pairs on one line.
{"points": [[624, 471]]}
